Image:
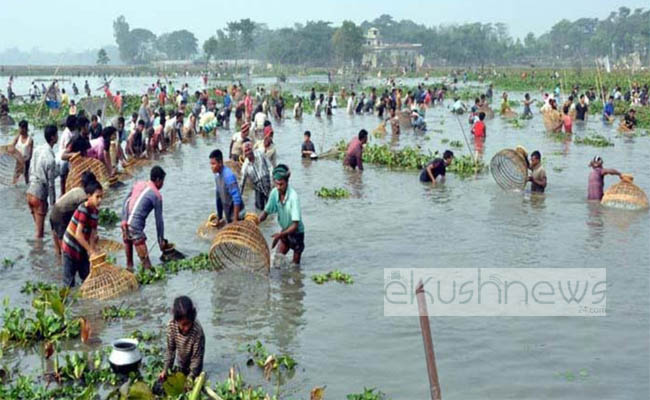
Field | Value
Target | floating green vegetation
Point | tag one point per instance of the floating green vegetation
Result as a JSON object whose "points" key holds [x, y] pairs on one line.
{"points": [[332, 193], [38, 287], [367, 394], [456, 143], [160, 272], [48, 319], [558, 169], [261, 357], [594, 140], [112, 313], [335, 275], [107, 218], [444, 141], [516, 123], [465, 166], [8, 263]]}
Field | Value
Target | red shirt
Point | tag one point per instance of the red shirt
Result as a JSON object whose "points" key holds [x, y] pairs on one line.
{"points": [[87, 217], [479, 129]]}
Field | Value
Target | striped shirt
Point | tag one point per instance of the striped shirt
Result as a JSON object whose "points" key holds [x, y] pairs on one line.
{"points": [[189, 349], [87, 217]]}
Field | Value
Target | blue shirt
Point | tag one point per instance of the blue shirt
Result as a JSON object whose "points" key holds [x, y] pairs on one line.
{"points": [[609, 109], [227, 192], [227, 100]]}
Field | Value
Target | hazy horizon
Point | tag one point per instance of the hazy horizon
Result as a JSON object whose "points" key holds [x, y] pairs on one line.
{"points": [[49, 21]]}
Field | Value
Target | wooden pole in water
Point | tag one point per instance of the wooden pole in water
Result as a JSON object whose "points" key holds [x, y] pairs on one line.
{"points": [[434, 384]]}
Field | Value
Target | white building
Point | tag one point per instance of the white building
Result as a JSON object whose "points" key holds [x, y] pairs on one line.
{"points": [[377, 53]]}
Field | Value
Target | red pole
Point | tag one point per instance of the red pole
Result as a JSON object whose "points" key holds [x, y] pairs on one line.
{"points": [[430, 355]]}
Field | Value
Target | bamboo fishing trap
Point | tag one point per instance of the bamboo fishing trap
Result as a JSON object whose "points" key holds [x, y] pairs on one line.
{"points": [[79, 165], [510, 169], [625, 195], [12, 165], [106, 281], [241, 245], [552, 120], [109, 245]]}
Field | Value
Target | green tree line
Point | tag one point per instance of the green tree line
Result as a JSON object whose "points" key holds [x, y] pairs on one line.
{"points": [[319, 43]]}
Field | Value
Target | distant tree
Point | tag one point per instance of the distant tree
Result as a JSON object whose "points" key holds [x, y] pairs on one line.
{"points": [[102, 57], [347, 42], [135, 46], [211, 48], [178, 45], [121, 35], [141, 45]]}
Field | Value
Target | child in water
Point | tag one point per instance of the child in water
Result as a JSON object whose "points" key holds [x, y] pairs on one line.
{"points": [[185, 340]]}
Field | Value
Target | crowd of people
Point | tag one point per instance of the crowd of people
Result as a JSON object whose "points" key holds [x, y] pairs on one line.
{"points": [[176, 115]]}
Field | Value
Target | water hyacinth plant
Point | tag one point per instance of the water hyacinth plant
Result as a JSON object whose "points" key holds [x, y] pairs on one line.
{"points": [[332, 193]]}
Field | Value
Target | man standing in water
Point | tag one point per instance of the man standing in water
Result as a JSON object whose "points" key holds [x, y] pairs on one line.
{"points": [[597, 178], [141, 200], [354, 155], [437, 168], [256, 169], [229, 200], [284, 201], [42, 173], [538, 176], [582, 109]]}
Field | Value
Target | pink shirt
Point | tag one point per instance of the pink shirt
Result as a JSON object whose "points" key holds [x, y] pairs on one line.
{"points": [[567, 122], [96, 149]]}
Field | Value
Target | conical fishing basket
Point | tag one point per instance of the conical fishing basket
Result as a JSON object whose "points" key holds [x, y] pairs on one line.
{"points": [[135, 164], [625, 195], [209, 229], [235, 167], [110, 246], [509, 169], [92, 104], [489, 113], [551, 120], [79, 165], [509, 114], [241, 245], [106, 281], [404, 117], [12, 165]]}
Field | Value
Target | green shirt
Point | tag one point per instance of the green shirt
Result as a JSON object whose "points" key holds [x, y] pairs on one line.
{"points": [[288, 211]]}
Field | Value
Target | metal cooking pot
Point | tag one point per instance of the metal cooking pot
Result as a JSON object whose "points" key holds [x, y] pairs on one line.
{"points": [[125, 356]]}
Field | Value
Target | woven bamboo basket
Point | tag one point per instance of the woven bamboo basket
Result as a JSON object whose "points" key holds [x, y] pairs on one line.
{"points": [[623, 128], [235, 166], [509, 169], [12, 165], [551, 120], [106, 281], [135, 164], [79, 165], [110, 246], [509, 114], [241, 245], [625, 195], [209, 229], [404, 117], [489, 113]]}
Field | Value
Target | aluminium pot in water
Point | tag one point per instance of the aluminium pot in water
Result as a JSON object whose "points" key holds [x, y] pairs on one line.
{"points": [[125, 356]]}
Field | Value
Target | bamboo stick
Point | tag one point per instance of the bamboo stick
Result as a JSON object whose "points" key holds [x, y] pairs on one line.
{"points": [[429, 353]]}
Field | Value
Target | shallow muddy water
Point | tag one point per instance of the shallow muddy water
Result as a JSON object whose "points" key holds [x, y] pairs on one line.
{"points": [[338, 333]]}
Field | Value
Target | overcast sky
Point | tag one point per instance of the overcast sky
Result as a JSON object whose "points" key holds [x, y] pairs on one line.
{"points": [[58, 25]]}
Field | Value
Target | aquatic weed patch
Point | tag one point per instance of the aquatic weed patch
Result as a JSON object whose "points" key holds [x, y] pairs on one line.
{"points": [[160, 272], [335, 275], [594, 140], [332, 193], [107, 218]]}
